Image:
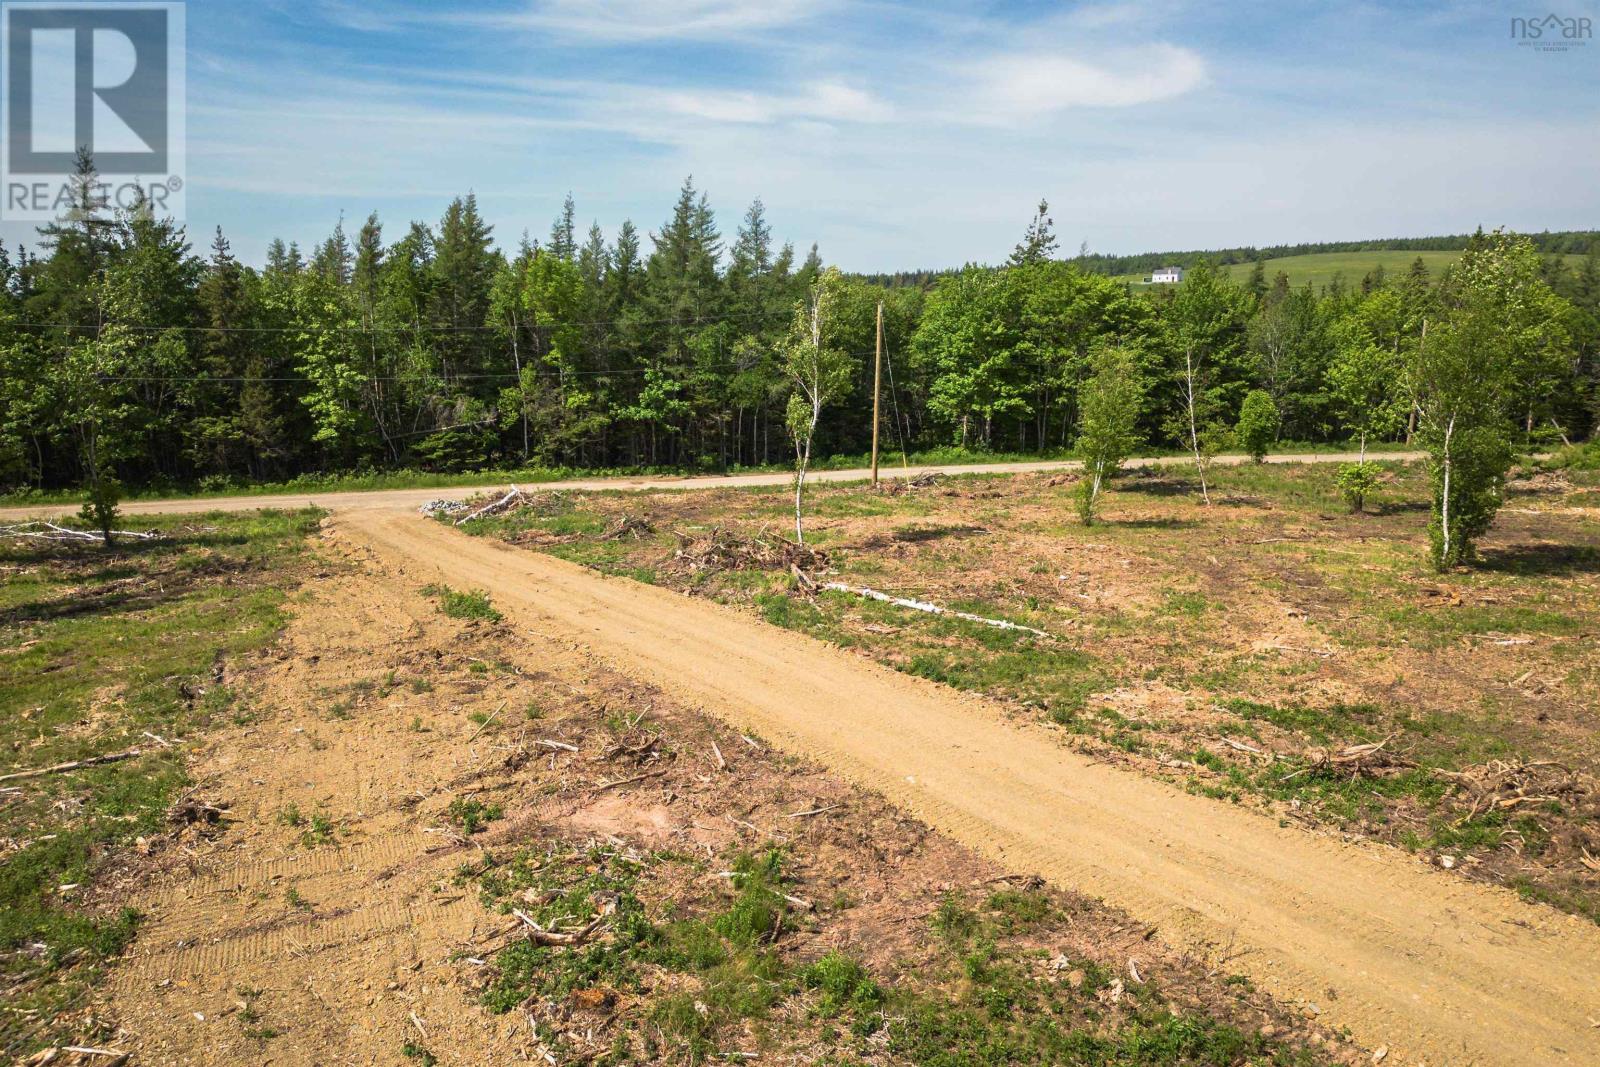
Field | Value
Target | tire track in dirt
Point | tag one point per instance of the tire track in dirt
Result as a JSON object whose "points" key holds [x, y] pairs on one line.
{"points": [[264, 946], [1438, 969]]}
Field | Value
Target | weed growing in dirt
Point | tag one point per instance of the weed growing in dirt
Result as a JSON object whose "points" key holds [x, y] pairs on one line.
{"points": [[472, 604], [413, 1051], [728, 951], [319, 832], [990, 999], [472, 815]]}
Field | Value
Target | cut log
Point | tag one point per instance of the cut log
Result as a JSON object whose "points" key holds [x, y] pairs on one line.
{"points": [[92, 761], [932, 609]]}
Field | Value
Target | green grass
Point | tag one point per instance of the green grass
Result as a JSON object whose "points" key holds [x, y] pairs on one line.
{"points": [[472, 815], [1320, 268], [982, 1000], [101, 649], [986, 1001], [471, 604]]}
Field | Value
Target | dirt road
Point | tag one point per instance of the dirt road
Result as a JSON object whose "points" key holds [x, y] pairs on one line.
{"points": [[1437, 969], [408, 499]]}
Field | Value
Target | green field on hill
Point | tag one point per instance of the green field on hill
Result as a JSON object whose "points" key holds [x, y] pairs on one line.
{"points": [[1320, 268]]}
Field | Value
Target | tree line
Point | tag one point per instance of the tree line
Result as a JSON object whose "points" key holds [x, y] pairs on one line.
{"points": [[126, 359]]}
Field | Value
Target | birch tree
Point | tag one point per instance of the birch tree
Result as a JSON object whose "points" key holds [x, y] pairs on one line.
{"points": [[820, 373], [1108, 416], [1498, 318], [1207, 319]]}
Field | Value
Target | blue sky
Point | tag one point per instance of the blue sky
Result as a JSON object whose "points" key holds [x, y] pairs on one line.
{"points": [[894, 134]]}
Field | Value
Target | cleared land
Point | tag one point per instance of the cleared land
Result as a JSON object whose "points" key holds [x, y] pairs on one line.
{"points": [[410, 766], [101, 654], [452, 731], [1238, 649], [1404, 956], [1318, 269]]}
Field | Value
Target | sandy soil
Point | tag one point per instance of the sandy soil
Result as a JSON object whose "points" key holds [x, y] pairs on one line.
{"points": [[407, 499], [1433, 968], [375, 711]]}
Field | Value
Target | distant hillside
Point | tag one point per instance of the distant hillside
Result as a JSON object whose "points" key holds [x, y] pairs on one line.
{"points": [[1318, 262], [1568, 242], [1321, 268]]}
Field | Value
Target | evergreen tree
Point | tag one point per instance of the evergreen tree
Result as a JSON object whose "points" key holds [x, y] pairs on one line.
{"points": [[564, 231], [333, 258], [1038, 243]]}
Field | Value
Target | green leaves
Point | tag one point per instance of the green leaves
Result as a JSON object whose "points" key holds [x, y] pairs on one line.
{"points": [[1489, 359], [1107, 421], [1258, 424]]}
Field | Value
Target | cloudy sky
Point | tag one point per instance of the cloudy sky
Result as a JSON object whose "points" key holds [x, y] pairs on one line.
{"points": [[897, 135]]}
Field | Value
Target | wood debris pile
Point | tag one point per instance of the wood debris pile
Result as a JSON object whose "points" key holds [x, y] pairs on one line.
{"points": [[512, 499], [441, 507], [1372, 760], [1511, 785], [629, 528], [901, 486], [721, 550]]}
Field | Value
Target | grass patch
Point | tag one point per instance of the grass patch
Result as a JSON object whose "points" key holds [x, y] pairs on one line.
{"points": [[472, 604], [472, 815], [103, 647], [704, 978]]}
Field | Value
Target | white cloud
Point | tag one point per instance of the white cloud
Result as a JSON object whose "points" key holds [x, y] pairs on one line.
{"points": [[640, 20], [1031, 84], [824, 100]]}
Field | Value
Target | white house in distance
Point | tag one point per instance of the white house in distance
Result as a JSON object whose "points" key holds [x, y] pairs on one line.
{"points": [[1166, 276]]}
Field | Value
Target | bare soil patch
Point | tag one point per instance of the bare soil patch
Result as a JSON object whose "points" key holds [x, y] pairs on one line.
{"points": [[406, 779]]}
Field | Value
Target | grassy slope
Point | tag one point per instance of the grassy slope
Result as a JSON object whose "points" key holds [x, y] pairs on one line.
{"points": [[99, 649], [1319, 269]]}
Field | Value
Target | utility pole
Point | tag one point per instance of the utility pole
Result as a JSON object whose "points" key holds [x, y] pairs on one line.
{"points": [[877, 389]]}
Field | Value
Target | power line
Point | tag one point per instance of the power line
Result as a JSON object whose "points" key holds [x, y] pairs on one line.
{"points": [[409, 328], [424, 379]]}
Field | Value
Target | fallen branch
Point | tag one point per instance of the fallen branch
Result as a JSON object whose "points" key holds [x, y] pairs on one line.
{"points": [[486, 723], [49, 531], [809, 812], [92, 761], [932, 609], [540, 936], [493, 508], [545, 742]]}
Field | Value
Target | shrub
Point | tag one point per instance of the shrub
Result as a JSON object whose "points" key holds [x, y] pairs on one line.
{"points": [[1258, 423], [1356, 481]]}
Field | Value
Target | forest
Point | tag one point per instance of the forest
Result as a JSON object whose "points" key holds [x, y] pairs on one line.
{"points": [[125, 356]]}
